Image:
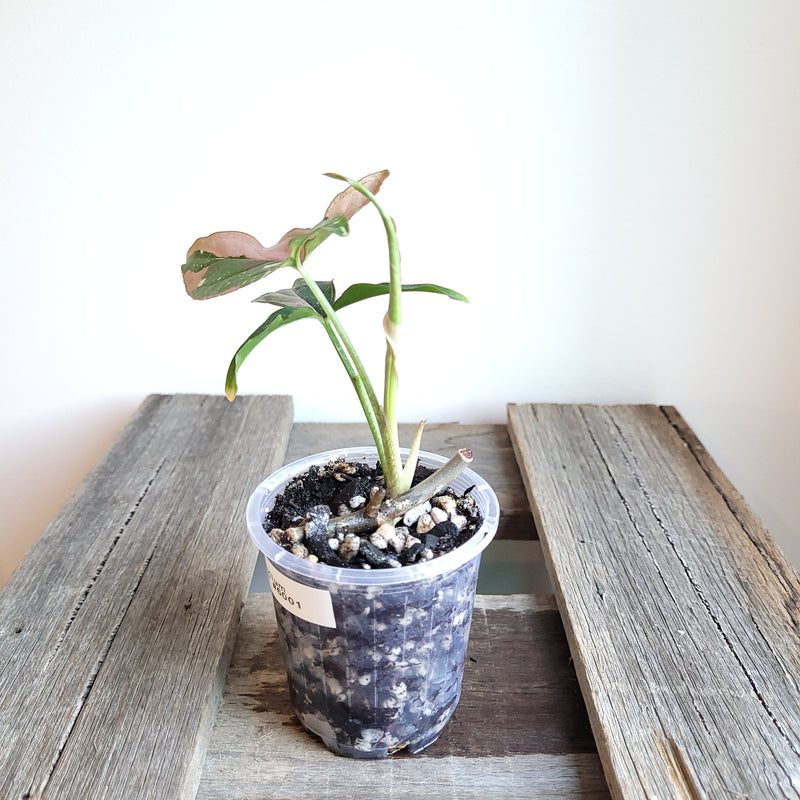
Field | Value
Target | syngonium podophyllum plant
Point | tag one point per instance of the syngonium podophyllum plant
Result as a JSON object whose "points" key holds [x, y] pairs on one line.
{"points": [[229, 260]]}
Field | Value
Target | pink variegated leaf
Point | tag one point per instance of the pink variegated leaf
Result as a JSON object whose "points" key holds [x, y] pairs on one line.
{"points": [[229, 260]]}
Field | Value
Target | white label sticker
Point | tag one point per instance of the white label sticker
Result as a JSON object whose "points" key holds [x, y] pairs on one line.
{"points": [[306, 602]]}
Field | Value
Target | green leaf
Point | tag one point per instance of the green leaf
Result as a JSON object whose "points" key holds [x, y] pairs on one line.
{"points": [[207, 275], [363, 291], [278, 319], [299, 296], [228, 260]]}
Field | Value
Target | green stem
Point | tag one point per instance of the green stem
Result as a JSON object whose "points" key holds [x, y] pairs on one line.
{"points": [[358, 385], [394, 318], [355, 368], [393, 469]]}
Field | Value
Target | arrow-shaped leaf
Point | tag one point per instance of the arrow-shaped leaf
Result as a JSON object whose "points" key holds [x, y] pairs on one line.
{"points": [[229, 260], [281, 317]]}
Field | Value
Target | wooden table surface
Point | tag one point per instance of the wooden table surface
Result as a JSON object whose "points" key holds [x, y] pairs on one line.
{"points": [[665, 665]]}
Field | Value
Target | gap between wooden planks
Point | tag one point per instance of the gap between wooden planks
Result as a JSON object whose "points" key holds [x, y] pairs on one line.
{"points": [[681, 612]]}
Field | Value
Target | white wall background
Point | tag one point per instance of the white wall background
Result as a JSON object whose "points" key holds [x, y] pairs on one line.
{"points": [[615, 185]]}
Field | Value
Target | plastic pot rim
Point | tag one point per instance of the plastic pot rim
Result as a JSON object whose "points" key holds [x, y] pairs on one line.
{"points": [[318, 572]]}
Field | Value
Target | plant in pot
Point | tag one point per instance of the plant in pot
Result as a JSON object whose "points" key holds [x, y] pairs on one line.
{"points": [[372, 552]]}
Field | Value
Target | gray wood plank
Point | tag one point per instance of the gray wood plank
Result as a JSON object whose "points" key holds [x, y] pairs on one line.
{"points": [[490, 444], [520, 729], [116, 631], [682, 614]]}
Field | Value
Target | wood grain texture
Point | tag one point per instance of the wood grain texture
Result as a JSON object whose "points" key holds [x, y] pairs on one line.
{"points": [[520, 729], [490, 444], [681, 613], [116, 631]]}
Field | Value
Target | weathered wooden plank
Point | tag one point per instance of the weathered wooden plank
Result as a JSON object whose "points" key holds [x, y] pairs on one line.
{"points": [[491, 447], [115, 632], [749, 521], [520, 729], [682, 615]]}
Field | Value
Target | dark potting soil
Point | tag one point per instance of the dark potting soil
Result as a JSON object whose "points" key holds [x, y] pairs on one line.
{"points": [[340, 487]]}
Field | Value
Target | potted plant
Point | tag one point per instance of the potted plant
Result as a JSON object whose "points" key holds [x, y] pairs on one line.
{"points": [[372, 552]]}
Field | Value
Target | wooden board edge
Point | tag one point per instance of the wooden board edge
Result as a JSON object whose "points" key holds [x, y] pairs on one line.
{"points": [[751, 524]]}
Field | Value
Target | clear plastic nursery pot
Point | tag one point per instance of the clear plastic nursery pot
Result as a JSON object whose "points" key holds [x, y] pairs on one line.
{"points": [[375, 658]]}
